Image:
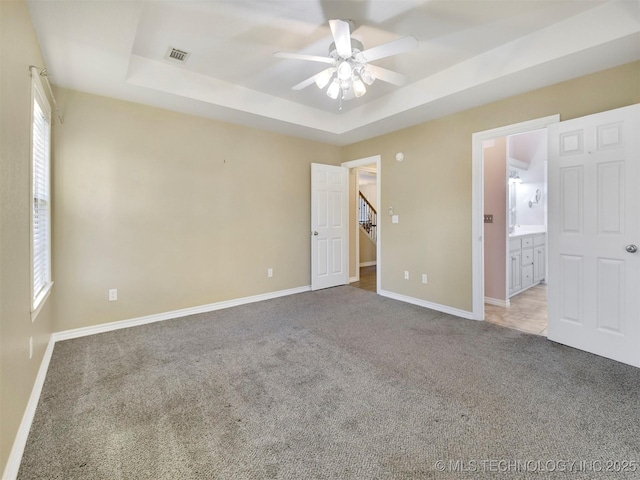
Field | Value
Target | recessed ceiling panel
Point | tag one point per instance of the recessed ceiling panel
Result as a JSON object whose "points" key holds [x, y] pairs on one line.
{"points": [[116, 49]]}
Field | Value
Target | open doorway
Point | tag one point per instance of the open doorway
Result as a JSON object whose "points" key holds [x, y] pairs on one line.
{"points": [[515, 230], [367, 218], [364, 227], [511, 285]]}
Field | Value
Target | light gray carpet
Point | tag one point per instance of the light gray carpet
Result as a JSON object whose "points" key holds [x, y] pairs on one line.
{"points": [[335, 384]]}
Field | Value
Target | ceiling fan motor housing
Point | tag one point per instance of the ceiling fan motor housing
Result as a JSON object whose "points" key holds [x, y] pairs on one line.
{"points": [[356, 47]]}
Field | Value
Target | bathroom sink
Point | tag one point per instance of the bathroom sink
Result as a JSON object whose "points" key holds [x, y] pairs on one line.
{"points": [[527, 230]]}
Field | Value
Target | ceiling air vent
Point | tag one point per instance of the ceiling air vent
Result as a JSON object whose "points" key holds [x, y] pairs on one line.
{"points": [[177, 55]]}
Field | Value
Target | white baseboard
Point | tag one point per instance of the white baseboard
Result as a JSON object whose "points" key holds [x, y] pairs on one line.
{"points": [[368, 264], [423, 303], [497, 302], [158, 317], [15, 456]]}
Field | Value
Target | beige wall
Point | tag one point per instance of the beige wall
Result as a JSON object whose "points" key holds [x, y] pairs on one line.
{"points": [[370, 192], [172, 210], [431, 189], [367, 247], [18, 50], [495, 203]]}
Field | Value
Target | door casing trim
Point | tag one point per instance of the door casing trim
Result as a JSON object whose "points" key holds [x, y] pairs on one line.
{"points": [[477, 200], [361, 162]]}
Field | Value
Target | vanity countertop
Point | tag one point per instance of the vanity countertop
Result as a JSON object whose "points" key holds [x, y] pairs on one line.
{"points": [[528, 230]]}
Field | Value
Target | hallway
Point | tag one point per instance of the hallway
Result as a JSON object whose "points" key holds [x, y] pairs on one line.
{"points": [[367, 279]]}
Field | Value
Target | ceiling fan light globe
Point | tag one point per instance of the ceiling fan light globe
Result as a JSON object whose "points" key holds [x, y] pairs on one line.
{"points": [[323, 79], [358, 88], [334, 89], [367, 76], [344, 71]]}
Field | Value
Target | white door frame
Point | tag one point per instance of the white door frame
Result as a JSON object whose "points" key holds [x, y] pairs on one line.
{"points": [[361, 162], [477, 201]]}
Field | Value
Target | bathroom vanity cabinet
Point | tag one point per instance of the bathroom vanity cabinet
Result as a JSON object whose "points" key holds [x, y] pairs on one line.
{"points": [[527, 259]]}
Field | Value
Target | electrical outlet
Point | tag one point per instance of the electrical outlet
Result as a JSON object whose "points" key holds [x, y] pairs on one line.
{"points": [[424, 278], [488, 219], [406, 275], [269, 272], [113, 294]]}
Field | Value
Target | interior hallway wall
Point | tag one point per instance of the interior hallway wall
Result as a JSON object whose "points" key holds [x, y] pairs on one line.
{"points": [[367, 248], [370, 192]]}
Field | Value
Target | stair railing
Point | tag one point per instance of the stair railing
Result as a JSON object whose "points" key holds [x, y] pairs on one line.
{"points": [[368, 217]]}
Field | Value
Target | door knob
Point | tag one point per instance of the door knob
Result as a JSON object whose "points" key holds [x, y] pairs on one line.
{"points": [[631, 248], [315, 233]]}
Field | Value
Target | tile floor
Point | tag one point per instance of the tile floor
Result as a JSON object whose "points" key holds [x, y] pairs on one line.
{"points": [[527, 312]]}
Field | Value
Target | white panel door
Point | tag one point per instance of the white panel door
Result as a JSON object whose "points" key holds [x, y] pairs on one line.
{"points": [[329, 226], [594, 231]]}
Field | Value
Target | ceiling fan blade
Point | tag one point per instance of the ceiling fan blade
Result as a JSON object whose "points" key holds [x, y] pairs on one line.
{"points": [[305, 83], [394, 47], [388, 76], [301, 56], [341, 37]]}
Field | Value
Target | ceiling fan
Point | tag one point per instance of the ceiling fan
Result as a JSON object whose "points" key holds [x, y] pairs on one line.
{"points": [[350, 69]]}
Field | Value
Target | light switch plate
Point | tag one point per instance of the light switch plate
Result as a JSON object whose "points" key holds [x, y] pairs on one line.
{"points": [[394, 219]]}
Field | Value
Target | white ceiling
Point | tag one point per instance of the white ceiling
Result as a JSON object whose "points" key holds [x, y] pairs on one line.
{"points": [[470, 53]]}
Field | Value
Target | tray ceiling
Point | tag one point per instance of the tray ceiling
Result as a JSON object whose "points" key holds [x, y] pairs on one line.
{"points": [[470, 53]]}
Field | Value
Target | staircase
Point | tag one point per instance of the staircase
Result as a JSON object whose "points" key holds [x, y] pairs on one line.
{"points": [[367, 217]]}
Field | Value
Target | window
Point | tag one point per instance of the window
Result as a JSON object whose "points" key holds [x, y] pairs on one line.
{"points": [[40, 194]]}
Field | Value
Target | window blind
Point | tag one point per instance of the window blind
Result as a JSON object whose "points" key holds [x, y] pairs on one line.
{"points": [[41, 228]]}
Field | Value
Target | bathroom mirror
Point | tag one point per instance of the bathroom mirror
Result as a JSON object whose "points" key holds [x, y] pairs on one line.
{"points": [[512, 206]]}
